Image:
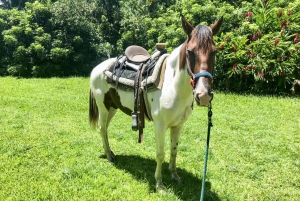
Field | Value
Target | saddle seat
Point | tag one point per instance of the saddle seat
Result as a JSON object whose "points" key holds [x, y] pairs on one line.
{"points": [[124, 69], [136, 54]]}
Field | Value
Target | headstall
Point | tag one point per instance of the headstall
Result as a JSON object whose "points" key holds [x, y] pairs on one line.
{"points": [[191, 62]]}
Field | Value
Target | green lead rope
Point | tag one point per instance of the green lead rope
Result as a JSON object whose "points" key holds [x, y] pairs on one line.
{"points": [[209, 114]]}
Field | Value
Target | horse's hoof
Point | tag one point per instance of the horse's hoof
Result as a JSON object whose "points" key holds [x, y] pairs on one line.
{"points": [[179, 182], [160, 188], [111, 157], [176, 178], [112, 153]]}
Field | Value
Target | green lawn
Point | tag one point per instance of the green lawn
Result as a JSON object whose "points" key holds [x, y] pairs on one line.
{"points": [[49, 152]]}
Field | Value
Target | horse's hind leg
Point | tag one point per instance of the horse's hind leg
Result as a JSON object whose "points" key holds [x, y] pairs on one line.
{"points": [[174, 135], [104, 120]]}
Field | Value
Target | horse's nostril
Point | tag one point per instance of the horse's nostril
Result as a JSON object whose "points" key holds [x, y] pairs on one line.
{"points": [[197, 98]]}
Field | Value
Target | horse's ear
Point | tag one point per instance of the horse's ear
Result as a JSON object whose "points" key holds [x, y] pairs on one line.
{"points": [[187, 27], [216, 26]]}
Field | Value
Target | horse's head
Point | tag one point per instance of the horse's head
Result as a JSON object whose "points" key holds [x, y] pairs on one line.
{"points": [[198, 55]]}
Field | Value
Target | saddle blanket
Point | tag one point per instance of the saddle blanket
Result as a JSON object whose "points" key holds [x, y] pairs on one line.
{"points": [[123, 73]]}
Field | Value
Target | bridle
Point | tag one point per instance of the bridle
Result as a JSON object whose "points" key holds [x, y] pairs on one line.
{"points": [[191, 63]]}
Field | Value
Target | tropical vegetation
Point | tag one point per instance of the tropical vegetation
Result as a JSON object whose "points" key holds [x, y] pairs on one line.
{"points": [[258, 44]]}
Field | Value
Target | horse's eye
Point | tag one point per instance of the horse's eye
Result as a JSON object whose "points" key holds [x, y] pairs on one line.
{"points": [[191, 56], [190, 52]]}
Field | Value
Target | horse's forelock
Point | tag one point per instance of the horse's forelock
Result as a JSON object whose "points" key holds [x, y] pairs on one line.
{"points": [[203, 37]]}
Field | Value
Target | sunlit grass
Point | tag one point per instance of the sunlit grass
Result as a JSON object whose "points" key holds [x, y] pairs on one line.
{"points": [[49, 152]]}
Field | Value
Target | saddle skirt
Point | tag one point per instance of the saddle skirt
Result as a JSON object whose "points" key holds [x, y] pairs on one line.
{"points": [[123, 71]]}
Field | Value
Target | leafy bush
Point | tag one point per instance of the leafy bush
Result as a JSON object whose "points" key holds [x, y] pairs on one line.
{"points": [[258, 42], [48, 34], [260, 54]]}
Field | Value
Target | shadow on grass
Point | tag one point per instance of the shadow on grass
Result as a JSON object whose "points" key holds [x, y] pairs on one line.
{"points": [[143, 169]]}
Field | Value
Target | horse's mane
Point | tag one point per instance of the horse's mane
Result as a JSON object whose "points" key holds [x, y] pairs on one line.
{"points": [[204, 37]]}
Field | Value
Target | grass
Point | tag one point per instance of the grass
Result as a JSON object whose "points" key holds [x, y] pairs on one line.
{"points": [[49, 152]]}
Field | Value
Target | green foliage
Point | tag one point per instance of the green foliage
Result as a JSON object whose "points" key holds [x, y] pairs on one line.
{"points": [[4, 15], [109, 14], [46, 34], [260, 54], [26, 42], [75, 33], [74, 36], [20, 4], [135, 23]]}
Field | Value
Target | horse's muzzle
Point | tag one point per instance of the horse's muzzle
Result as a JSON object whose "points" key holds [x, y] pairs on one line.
{"points": [[203, 99]]}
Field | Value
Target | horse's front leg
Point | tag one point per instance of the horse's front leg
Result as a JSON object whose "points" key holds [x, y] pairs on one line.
{"points": [[160, 132], [174, 135]]}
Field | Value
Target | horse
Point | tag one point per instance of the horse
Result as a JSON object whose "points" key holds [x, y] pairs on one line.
{"points": [[188, 77]]}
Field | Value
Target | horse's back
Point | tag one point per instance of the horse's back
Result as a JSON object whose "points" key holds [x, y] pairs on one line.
{"points": [[100, 68], [97, 78]]}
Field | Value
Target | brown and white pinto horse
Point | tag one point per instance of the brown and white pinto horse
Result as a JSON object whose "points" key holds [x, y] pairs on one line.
{"points": [[187, 77]]}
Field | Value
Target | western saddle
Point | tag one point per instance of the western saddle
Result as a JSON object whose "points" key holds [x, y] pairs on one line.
{"points": [[135, 65]]}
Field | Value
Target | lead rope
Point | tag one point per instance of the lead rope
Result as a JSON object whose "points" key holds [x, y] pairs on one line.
{"points": [[209, 114]]}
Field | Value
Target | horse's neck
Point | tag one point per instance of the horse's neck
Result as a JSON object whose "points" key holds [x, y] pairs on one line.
{"points": [[180, 79]]}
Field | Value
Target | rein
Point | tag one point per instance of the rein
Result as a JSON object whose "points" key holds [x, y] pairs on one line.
{"points": [[209, 115]]}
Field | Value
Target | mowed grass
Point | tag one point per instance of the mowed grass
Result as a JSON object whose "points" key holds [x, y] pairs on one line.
{"points": [[49, 152]]}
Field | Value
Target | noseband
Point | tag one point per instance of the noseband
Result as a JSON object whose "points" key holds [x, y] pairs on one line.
{"points": [[191, 63]]}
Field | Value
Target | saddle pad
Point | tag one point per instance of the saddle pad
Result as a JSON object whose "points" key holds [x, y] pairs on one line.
{"points": [[152, 77]]}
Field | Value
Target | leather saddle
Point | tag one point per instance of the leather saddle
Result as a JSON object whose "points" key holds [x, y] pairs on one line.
{"points": [[129, 71], [125, 69]]}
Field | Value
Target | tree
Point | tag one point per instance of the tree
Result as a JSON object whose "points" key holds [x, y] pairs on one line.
{"points": [[109, 16]]}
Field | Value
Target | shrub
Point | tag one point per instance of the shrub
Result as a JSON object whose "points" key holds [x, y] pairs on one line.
{"points": [[261, 54], [62, 34], [258, 42]]}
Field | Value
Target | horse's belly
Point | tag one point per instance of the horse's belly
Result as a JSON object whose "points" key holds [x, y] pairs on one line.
{"points": [[126, 99]]}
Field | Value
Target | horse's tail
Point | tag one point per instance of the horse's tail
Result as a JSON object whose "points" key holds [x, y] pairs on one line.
{"points": [[93, 111]]}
